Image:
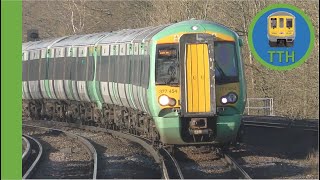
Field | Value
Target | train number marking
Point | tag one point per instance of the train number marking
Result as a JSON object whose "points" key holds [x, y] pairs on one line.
{"points": [[164, 91]]}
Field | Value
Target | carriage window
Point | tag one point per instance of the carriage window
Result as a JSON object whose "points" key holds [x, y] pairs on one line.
{"points": [[104, 64], [25, 68], [167, 64], [226, 69], [273, 22], [50, 63], [91, 65], [59, 64], [289, 23], [43, 65], [82, 64], [73, 63], [281, 23]]}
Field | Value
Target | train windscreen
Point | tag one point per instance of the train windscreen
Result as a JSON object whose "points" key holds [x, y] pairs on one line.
{"points": [[167, 64], [273, 22], [289, 23], [226, 69]]}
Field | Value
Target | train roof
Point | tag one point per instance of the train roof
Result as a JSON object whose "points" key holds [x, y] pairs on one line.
{"points": [[27, 44], [281, 13], [80, 40], [121, 36], [43, 44]]}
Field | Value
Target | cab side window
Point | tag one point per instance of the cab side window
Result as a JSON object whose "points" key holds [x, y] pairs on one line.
{"points": [[289, 23], [273, 22]]}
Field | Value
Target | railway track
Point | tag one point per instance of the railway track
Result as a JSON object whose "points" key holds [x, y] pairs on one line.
{"points": [[234, 165], [26, 148], [31, 156], [280, 122], [169, 166], [86, 144], [208, 162]]}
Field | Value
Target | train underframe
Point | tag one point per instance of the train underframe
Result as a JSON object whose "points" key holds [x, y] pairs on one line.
{"points": [[281, 41], [115, 118], [109, 116]]}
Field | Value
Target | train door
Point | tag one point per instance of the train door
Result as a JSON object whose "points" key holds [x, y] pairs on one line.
{"points": [[282, 28], [197, 78]]}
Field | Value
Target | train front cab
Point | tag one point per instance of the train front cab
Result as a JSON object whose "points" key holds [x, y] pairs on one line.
{"points": [[199, 89], [281, 29]]}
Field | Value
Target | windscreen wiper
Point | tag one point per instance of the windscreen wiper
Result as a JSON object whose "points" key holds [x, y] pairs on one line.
{"points": [[219, 69], [172, 71]]}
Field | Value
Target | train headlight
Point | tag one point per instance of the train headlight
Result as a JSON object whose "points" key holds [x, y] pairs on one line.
{"points": [[229, 98], [172, 102], [224, 100], [164, 100], [194, 28], [232, 97]]}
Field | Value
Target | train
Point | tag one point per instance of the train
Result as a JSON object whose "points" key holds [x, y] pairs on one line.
{"points": [[281, 29], [176, 84]]}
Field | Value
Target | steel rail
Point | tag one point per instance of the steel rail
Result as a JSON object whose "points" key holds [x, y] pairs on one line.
{"points": [[233, 163], [280, 122], [167, 173], [35, 162], [27, 151], [88, 146], [279, 126], [168, 163], [166, 160]]}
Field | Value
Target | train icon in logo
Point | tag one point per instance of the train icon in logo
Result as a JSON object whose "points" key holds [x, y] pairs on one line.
{"points": [[281, 29]]}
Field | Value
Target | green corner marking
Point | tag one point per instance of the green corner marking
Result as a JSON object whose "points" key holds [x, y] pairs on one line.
{"points": [[11, 82], [297, 10]]}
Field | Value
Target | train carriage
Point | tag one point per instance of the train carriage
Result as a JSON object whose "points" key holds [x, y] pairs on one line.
{"points": [[179, 84]]}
